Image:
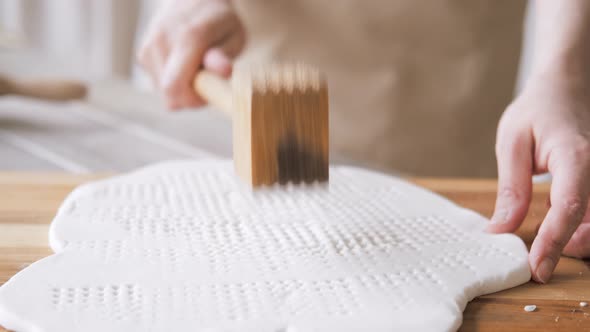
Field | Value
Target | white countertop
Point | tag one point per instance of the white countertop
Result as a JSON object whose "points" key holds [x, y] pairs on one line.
{"points": [[118, 128]]}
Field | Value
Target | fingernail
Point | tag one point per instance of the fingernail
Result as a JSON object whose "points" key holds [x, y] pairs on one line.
{"points": [[500, 216], [544, 270]]}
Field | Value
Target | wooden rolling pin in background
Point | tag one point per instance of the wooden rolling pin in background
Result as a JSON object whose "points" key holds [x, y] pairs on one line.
{"points": [[57, 90]]}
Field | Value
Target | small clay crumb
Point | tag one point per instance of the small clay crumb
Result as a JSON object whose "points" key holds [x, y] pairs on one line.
{"points": [[557, 319], [530, 308], [583, 304]]}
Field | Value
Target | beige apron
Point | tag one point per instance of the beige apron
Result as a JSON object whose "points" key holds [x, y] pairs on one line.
{"points": [[415, 86]]}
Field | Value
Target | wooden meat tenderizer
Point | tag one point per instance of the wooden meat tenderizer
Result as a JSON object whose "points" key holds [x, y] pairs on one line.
{"points": [[280, 122]]}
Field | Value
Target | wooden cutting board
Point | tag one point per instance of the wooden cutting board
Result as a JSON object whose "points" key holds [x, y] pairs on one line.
{"points": [[28, 202]]}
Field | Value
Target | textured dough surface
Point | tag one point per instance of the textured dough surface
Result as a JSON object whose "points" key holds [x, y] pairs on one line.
{"points": [[184, 246]]}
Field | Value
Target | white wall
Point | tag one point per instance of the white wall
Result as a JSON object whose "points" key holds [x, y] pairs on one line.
{"points": [[96, 38], [87, 38]]}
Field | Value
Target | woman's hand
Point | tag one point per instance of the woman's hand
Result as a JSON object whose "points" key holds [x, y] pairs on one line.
{"points": [[184, 36], [547, 128]]}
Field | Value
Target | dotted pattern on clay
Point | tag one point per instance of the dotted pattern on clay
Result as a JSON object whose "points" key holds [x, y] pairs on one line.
{"points": [[235, 302], [116, 302], [186, 246]]}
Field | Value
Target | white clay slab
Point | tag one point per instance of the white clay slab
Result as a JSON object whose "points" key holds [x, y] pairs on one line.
{"points": [[184, 246]]}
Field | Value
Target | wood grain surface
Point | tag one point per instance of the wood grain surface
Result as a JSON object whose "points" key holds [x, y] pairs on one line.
{"points": [[29, 201]]}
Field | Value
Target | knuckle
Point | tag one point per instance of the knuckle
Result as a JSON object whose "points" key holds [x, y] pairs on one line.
{"points": [[509, 193], [556, 244], [507, 118], [573, 206], [513, 195]]}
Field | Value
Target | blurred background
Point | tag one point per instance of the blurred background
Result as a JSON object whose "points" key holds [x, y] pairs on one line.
{"points": [[122, 125], [89, 39]]}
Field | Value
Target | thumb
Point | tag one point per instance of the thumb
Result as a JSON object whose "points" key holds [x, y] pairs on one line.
{"points": [[216, 61], [514, 152]]}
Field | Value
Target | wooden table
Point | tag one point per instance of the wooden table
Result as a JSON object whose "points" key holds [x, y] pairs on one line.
{"points": [[28, 202]]}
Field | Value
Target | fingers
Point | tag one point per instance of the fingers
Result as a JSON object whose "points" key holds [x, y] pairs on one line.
{"points": [[192, 51], [579, 244], [569, 200], [153, 58], [187, 39], [514, 152], [181, 67]]}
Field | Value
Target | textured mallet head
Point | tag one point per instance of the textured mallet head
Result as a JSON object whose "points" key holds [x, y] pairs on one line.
{"points": [[280, 125]]}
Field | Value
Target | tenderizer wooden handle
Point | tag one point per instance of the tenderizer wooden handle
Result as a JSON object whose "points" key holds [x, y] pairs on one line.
{"points": [[216, 90]]}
